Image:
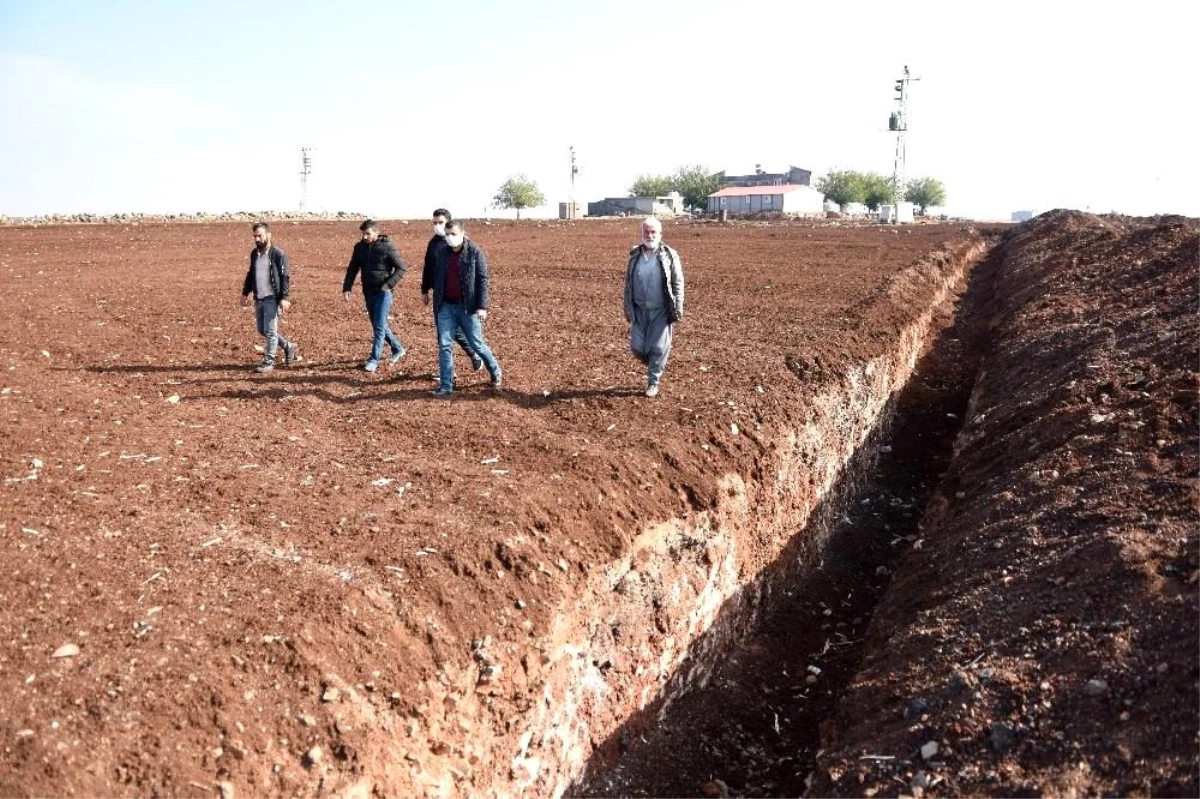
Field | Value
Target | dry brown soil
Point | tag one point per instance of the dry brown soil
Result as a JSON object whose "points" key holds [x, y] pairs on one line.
{"points": [[1044, 640], [225, 548]]}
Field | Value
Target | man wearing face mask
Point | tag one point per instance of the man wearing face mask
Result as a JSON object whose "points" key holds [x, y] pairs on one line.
{"points": [[268, 282], [382, 268], [461, 292], [653, 300], [441, 217]]}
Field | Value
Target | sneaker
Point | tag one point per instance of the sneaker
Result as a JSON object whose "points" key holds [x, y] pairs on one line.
{"points": [[442, 392], [396, 356], [370, 366], [291, 354], [476, 363], [652, 390], [497, 381], [264, 367]]}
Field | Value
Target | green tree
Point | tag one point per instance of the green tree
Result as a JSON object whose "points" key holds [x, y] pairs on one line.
{"points": [[519, 192], [878, 190], [842, 187], [925, 192], [695, 183], [652, 186]]}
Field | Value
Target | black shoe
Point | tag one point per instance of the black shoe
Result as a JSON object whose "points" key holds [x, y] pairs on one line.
{"points": [[476, 363], [497, 381], [442, 392], [264, 367]]}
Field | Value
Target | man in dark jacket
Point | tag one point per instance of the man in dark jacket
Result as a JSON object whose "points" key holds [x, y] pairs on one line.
{"points": [[268, 282], [381, 266], [460, 302], [441, 217]]}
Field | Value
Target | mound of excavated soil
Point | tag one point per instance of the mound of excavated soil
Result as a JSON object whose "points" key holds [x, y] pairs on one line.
{"points": [[1041, 638], [323, 581]]}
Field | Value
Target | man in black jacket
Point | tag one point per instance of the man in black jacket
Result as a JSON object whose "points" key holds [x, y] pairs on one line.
{"points": [[441, 217], [268, 282], [461, 291], [382, 268]]}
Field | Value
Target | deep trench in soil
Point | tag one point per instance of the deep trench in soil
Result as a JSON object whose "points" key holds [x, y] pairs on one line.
{"points": [[754, 728]]}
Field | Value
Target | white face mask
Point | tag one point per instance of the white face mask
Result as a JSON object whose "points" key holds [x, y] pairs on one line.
{"points": [[440, 228], [455, 240]]}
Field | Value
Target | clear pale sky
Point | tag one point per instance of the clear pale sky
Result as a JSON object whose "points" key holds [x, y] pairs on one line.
{"points": [[204, 106]]}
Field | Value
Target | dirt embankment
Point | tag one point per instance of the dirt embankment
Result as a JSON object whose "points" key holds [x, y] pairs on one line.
{"points": [[329, 582], [1041, 640]]}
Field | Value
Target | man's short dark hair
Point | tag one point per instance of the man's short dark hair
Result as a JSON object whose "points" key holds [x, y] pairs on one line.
{"points": [[457, 224], [443, 212], [257, 225], [368, 224]]}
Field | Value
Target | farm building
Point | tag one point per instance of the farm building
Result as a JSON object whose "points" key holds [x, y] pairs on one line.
{"points": [[786, 198], [795, 176], [667, 205]]}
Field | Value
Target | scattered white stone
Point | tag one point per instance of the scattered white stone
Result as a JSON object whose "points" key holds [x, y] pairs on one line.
{"points": [[314, 755], [45, 353], [929, 750], [1095, 687], [173, 399], [307, 720], [733, 428], [331, 694], [488, 461], [66, 651], [611, 427], [36, 463], [383, 481]]}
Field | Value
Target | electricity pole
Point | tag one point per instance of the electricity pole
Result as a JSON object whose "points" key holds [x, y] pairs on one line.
{"points": [[305, 171], [898, 123], [574, 172]]}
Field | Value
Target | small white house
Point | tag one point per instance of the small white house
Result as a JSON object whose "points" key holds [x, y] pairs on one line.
{"points": [[784, 198], [900, 213]]}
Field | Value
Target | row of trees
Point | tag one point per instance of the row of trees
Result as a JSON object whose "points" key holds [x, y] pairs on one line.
{"points": [[873, 190], [693, 182], [696, 182]]}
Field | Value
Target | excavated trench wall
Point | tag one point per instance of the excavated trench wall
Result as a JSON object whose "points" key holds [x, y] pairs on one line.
{"points": [[649, 625]]}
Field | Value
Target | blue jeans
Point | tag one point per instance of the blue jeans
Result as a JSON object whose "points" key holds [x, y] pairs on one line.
{"points": [[379, 304], [450, 320], [266, 314]]}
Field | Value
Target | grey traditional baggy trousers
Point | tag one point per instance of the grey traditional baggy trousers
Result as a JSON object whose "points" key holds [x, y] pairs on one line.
{"points": [[650, 340]]}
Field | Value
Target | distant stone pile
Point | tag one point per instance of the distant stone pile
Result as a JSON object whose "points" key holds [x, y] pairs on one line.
{"points": [[128, 219]]}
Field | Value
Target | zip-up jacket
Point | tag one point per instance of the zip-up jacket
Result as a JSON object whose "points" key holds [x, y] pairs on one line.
{"points": [[472, 272], [672, 273], [280, 281], [380, 264]]}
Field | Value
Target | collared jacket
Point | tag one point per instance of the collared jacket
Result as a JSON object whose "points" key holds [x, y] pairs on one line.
{"points": [[472, 271], [280, 281], [672, 272], [380, 264], [435, 243]]}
